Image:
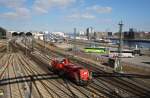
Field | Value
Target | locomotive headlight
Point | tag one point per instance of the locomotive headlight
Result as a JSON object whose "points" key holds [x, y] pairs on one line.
{"points": [[85, 73]]}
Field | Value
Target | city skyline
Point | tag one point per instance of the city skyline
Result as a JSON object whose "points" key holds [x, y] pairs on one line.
{"points": [[64, 15]]}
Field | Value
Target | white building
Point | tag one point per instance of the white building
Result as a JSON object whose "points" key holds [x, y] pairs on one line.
{"points": [[38, 35], [81, 33], [62, 34]]}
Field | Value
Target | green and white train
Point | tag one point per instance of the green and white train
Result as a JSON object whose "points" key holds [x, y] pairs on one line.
{"points": [[101, 50]]}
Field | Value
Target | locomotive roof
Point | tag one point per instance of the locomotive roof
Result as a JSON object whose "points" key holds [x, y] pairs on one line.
{"points": [[73, 66]]}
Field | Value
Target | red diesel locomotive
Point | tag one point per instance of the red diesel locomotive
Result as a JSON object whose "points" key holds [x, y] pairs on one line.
{"points": [[78, 74]]}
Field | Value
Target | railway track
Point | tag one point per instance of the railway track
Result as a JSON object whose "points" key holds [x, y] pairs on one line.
{"points": [[72, 89], [9, 71], [109, 94], [3, 73], [126, 86], [27, 71], [47, 87], [4, 64], [69, 93], [16, 90], [6, 73], [83, 90]]}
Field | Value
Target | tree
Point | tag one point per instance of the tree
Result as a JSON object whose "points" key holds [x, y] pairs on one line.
{"points": [[28, 34], [2, 32], [21, 34], [14, 34]]}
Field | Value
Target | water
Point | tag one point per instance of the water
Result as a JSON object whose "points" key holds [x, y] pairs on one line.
{"points": [[127, 43], [133, 44]]}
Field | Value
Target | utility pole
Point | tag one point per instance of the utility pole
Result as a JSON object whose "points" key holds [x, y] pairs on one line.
{"points": [[25, 45], [75, 30], [44, 41], [118, 65], [32, 43], [8, 41]]}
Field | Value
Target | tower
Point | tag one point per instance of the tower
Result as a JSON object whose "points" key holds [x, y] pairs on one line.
{"points": [[118, 65]]}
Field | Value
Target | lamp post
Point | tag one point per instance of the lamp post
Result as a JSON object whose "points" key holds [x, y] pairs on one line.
{"points": [[75, 30]]}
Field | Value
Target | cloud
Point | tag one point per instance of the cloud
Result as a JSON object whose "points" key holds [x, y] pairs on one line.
{"points": [[24, 12], [9, 15], [104, 20], [99, 9], [19, 9], [19, 13], [43, 6], [81, 16], [89, 12], [12, 3]]}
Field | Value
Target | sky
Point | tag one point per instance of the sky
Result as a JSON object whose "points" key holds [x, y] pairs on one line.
{"points": [[65, 15]]}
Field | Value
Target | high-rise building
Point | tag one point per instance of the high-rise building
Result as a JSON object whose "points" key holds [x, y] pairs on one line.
{"points": [[130, 34], [109, 34], [90, 33]]}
